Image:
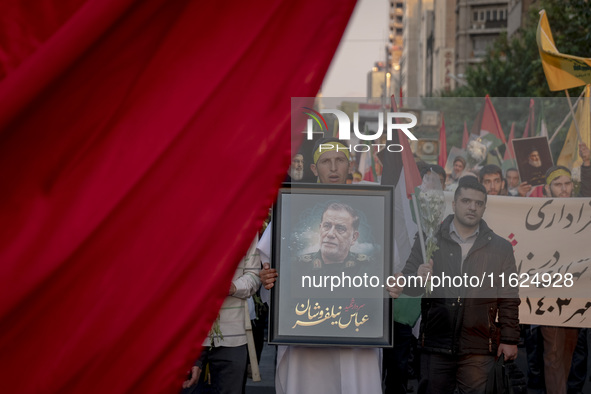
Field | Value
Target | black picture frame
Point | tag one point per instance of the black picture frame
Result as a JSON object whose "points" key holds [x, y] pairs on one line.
{"points": [[523, 147], [359, 316]]}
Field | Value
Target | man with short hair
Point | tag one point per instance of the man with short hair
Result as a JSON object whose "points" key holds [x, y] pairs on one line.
{"points": [[491, 177], [339, 230], [334, 370], [437, 169], [512, 178], [459, 338], [514, 187]]}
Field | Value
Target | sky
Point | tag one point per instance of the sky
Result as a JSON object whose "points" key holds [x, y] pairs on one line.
{"points": [[363, 44]]}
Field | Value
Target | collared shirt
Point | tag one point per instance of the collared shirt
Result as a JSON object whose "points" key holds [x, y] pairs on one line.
{"points": [[465, 243]]}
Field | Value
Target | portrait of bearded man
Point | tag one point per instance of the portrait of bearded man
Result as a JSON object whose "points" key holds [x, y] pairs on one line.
{"points": [[533, 159]]}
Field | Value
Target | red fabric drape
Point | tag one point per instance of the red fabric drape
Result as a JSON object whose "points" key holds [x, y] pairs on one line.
{"points": [[141, 144]]}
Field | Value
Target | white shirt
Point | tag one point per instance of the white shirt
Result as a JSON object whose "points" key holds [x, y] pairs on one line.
{"points": [[326, 370]]}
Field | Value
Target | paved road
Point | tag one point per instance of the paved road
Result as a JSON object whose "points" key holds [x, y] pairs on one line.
{"points": [[267, 367]]}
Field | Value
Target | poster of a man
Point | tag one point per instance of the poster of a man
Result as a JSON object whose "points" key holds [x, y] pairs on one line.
{"points": [[339, 230], [333, 248], [533, 159], [296, 169]]}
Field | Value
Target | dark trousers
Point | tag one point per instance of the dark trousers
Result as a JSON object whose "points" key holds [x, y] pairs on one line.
{"points": [[559, 346], [395, 360], [578, 369], [227, 367], [534, 346], [441, 374]]}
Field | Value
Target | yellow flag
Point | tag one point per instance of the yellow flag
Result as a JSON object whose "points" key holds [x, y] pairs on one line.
{"points": [[569, 156], [562, 71]]}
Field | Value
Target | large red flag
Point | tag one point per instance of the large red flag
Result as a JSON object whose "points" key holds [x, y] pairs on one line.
{"points": [[487, 120], [442, 144], [118, 241], [509, 153]]}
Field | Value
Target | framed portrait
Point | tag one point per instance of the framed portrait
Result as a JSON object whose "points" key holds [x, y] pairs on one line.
{"points": [[533, 159], [332, 247]]}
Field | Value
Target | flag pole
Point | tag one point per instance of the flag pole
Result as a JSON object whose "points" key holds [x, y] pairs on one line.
{"points": [[574, 117], [565, 119]]}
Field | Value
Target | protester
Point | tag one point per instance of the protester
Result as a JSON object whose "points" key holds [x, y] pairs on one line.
{"points": [[512, 178], [437, 169], [578, 371], [585, 154], [333, 370], [491, 177], [560, 342], [459, 165], [225, 348], [458, 338]]}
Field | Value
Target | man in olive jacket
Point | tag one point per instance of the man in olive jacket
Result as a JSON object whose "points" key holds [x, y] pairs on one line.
{"points": [[471, 318]]}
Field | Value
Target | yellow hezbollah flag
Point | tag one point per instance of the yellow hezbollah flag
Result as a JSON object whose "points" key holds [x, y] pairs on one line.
{"points": [[562, 71], [569, 156]]}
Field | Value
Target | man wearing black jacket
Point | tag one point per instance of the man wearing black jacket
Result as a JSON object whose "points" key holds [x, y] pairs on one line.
{"points": [[465, 325]]}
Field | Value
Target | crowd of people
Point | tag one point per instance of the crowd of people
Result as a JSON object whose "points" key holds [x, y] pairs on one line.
{"points": [[463, 330]]}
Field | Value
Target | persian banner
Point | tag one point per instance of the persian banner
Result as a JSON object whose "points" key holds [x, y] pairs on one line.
{"points": [[550, 238]]}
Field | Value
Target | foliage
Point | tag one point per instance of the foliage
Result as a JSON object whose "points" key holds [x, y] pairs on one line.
{"points": [[512, 67]]}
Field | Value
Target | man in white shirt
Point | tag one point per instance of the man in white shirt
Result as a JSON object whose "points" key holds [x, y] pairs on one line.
{"points": [[333, 370]]}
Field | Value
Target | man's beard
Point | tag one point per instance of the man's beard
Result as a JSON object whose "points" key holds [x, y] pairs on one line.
{"points": [[297, 175], [535, 163]]}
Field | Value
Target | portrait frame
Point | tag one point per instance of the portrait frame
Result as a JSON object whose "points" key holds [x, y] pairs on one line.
{"points": [[302, 313], [522, 148]]}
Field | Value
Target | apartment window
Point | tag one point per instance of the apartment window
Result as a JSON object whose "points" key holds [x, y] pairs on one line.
{"points": [[399, 5], [475, 16], [487, 15], [494, 16], [398, 18], [481, 15], [398, 31], [480, 44], [502, 15]]}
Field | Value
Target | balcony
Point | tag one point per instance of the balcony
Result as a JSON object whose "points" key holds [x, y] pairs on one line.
{"points": [[502, 24]]}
